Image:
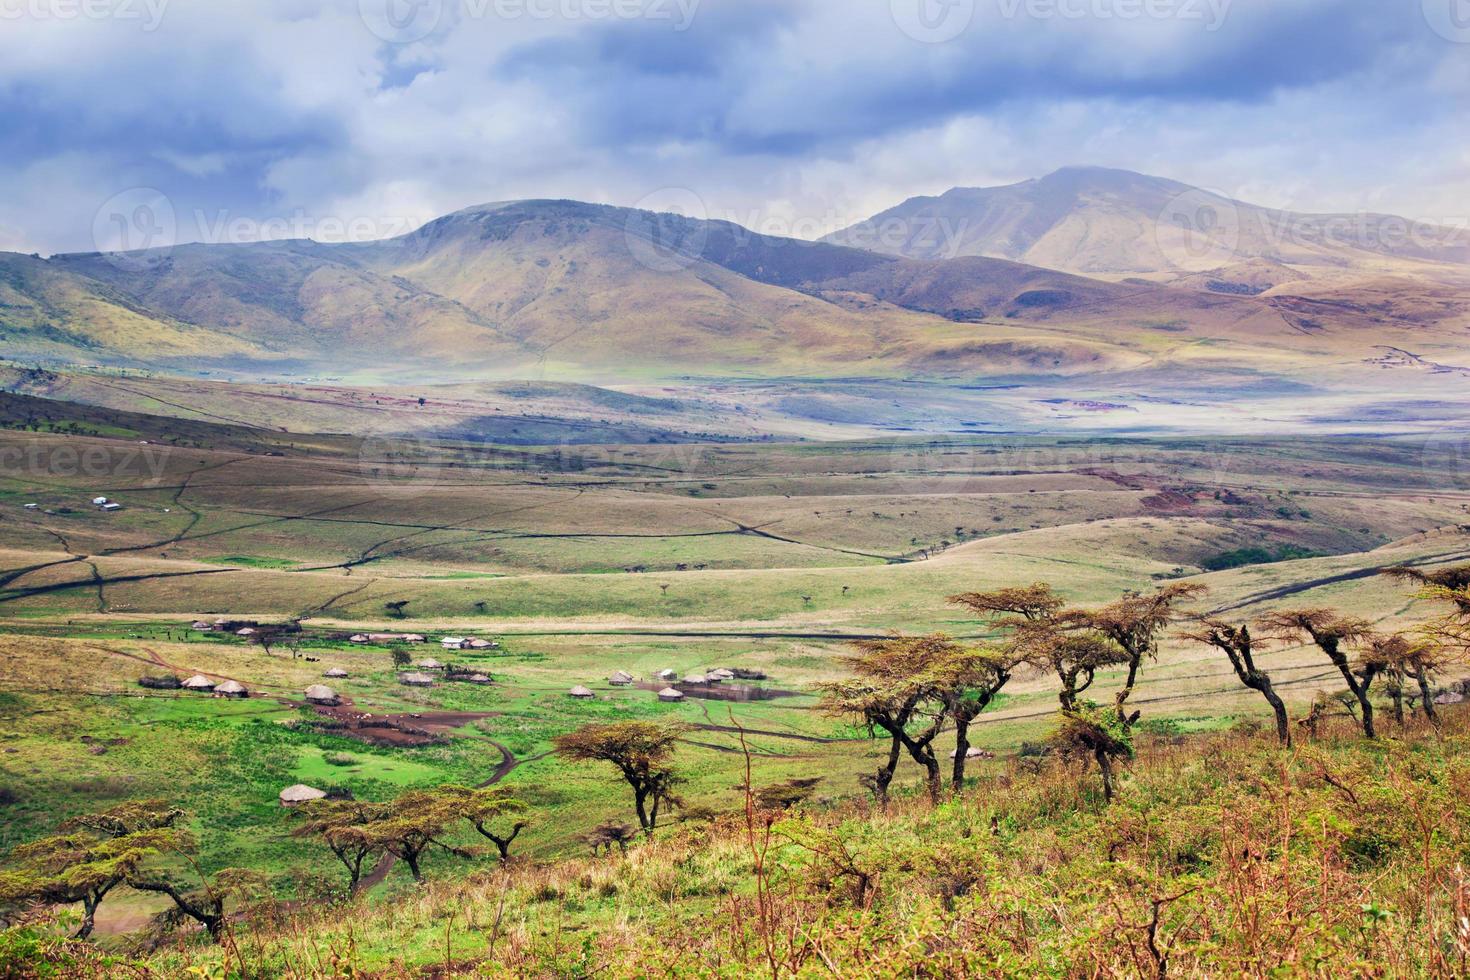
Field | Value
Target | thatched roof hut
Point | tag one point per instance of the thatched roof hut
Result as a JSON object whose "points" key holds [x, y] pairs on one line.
{"points": [[336, 673], [198, 683], [415, 638], [670, 694], [298, 794], [246, 631], [473, 678], [360, 638], [696, 679], [721, 674], [480, 644], [416, 680], [620, 678], [321, 694], [582, 693], [202, 626], [429, 665], [668, 675]]}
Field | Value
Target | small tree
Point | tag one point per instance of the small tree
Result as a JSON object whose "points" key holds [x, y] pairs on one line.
{"points": [[342, 826], [641, 752], [401, 657], [1097, 734], [93, 855], [1240, 648], [1332, 633], [483, 808], [415, 821], [395, 608], [1134, 624]]}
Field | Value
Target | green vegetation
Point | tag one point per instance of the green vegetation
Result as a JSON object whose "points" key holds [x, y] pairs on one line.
{"points": [[1254, 556]]}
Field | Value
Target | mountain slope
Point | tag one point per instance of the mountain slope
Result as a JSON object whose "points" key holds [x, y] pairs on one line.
{"points": [[1098, 221]]}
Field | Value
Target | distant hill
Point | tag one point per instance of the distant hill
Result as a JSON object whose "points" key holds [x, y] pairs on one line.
{"points": [[1097, 221], [591, 293]]}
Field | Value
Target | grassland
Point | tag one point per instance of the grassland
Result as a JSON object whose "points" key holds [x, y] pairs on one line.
{"points": [[586, 559]]}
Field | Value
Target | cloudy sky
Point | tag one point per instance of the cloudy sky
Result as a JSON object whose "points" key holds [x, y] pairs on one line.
{"points": [[363, 118]]}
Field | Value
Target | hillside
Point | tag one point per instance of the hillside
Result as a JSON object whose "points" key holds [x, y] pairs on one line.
{"points": [[1113, 223]]}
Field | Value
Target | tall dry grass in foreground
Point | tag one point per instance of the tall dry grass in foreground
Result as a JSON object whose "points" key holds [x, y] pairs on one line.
{"points": [[1223, 855]]}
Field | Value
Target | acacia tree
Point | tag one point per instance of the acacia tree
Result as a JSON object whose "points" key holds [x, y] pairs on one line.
{"points": [[93, 855], [1240, 648], [1332, 633], [206, 905], [877, 709], [641, 751], [483, 808], [1444, 641], [1450, 584], [342, 826], [415, 821], [1134, 624]]}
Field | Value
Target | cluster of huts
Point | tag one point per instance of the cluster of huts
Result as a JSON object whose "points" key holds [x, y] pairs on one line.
{"points": [[198, 684], [223, 626], [671, 693]]}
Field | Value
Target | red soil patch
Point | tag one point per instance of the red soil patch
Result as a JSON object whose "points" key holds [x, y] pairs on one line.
{"points": [[399, 731]]}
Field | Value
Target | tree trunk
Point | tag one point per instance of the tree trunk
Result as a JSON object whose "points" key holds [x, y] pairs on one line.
{"points": [[640, 804], [1105, 766], [961, 749], [411, 858], [1426, 696], [1367, 706], [884, 777], [1283, 723], [1396, 696], [89, 918]]}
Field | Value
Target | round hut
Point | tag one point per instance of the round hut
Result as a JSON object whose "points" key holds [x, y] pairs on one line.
{"points": [[321, 694], [671, 695], [581, 693], [298, 794], [722, 674], [620, 678], [429, 665], [198, 683], [415, 680], [231, 689], [696, 679], [337, 674]]}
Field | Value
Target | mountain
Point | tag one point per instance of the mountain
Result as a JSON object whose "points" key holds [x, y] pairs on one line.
{"points": [[563, 290], [1113, 223]]}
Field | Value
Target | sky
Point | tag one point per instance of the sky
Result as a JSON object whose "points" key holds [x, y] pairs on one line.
{"points": [[336, 119]]}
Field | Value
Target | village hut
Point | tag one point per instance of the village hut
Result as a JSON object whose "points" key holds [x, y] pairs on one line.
{"points": [[480, 644], [1450, 697], [668, 675], [201, 625], [722, 674], [696, 679], [453, 642], [360, 638], [415, 638], [620, 678], [246, 631], [337, 674], [582, 693], [321, 694], [198, 683], [299, 794], [670, 694], [231, 689], [416, 680], [475, 678], [429, 665]]}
